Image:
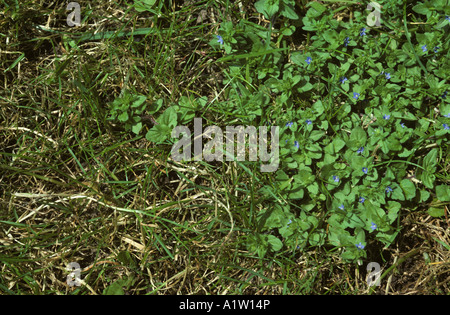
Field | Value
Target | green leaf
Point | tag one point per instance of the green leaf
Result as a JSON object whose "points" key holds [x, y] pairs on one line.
{"points": [[313, 189], [126, 259], [169, 117], [358, 138], [268, 7], [424, 195], [137, 128], [338, 144], [421, 8], [143, 5], [298, 58], [397, 194], [297, 194], [116, 288], [317, 238], [319, 8], [427, 179], [316, 135], [408, 188], [158, 134], [156, 106], [138, 101], [430, 160], [289, 12], [393, 209], [443, 192], [436, 212], [275, 243], [123, 117]]}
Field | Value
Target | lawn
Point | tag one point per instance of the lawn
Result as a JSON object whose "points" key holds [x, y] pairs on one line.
{"points": [[94, 200]]}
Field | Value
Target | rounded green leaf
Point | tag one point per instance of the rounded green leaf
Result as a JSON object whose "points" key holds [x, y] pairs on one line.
{"points": [[443, 192], [436, 212], [275, 243], [408, 188]]}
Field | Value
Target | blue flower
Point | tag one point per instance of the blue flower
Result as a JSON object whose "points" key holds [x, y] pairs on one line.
{"points": [[220, 39], [402, 124], [447, 18], [360, 246], [436, 49], [296, 144], [289, 222], [386, 117], [362, 31], [388, 189], [446, 127], [448, 115], [308, 122], [373, 226], [336, 178], [424, 48], [355, 95], [364, 169], [362, 199], [444, 95], [289, 124], [360, 150], [346, 41], [343, 79], [388, 76], [341, 207], [308, 60]]}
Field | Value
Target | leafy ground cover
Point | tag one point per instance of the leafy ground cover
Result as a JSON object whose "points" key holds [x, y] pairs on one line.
{"points": [[87, 175]]}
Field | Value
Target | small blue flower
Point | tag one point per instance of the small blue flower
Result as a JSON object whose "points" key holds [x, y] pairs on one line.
{"points": [[386, 117], [308, 60], [346, 41], [446, 127], [355, 95], [343, 79], [387, 75], [436, 49], [336, 178], [360, 246], [388, 189], [362, 31], [360, 150], [341, 207], [289, 222], [444, 95], [308, 122], [289, 124], [220, 39], [447, 18], [296, 144], [448, 115], [362, 199], [424, 48], [373, 226], [364, 169], [402, 124]]}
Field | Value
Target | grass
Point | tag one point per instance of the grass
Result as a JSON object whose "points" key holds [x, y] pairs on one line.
{"points": [[76, 188]]}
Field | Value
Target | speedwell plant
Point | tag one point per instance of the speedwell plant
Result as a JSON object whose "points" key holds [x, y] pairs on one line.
{"points": [[363, 113]]}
